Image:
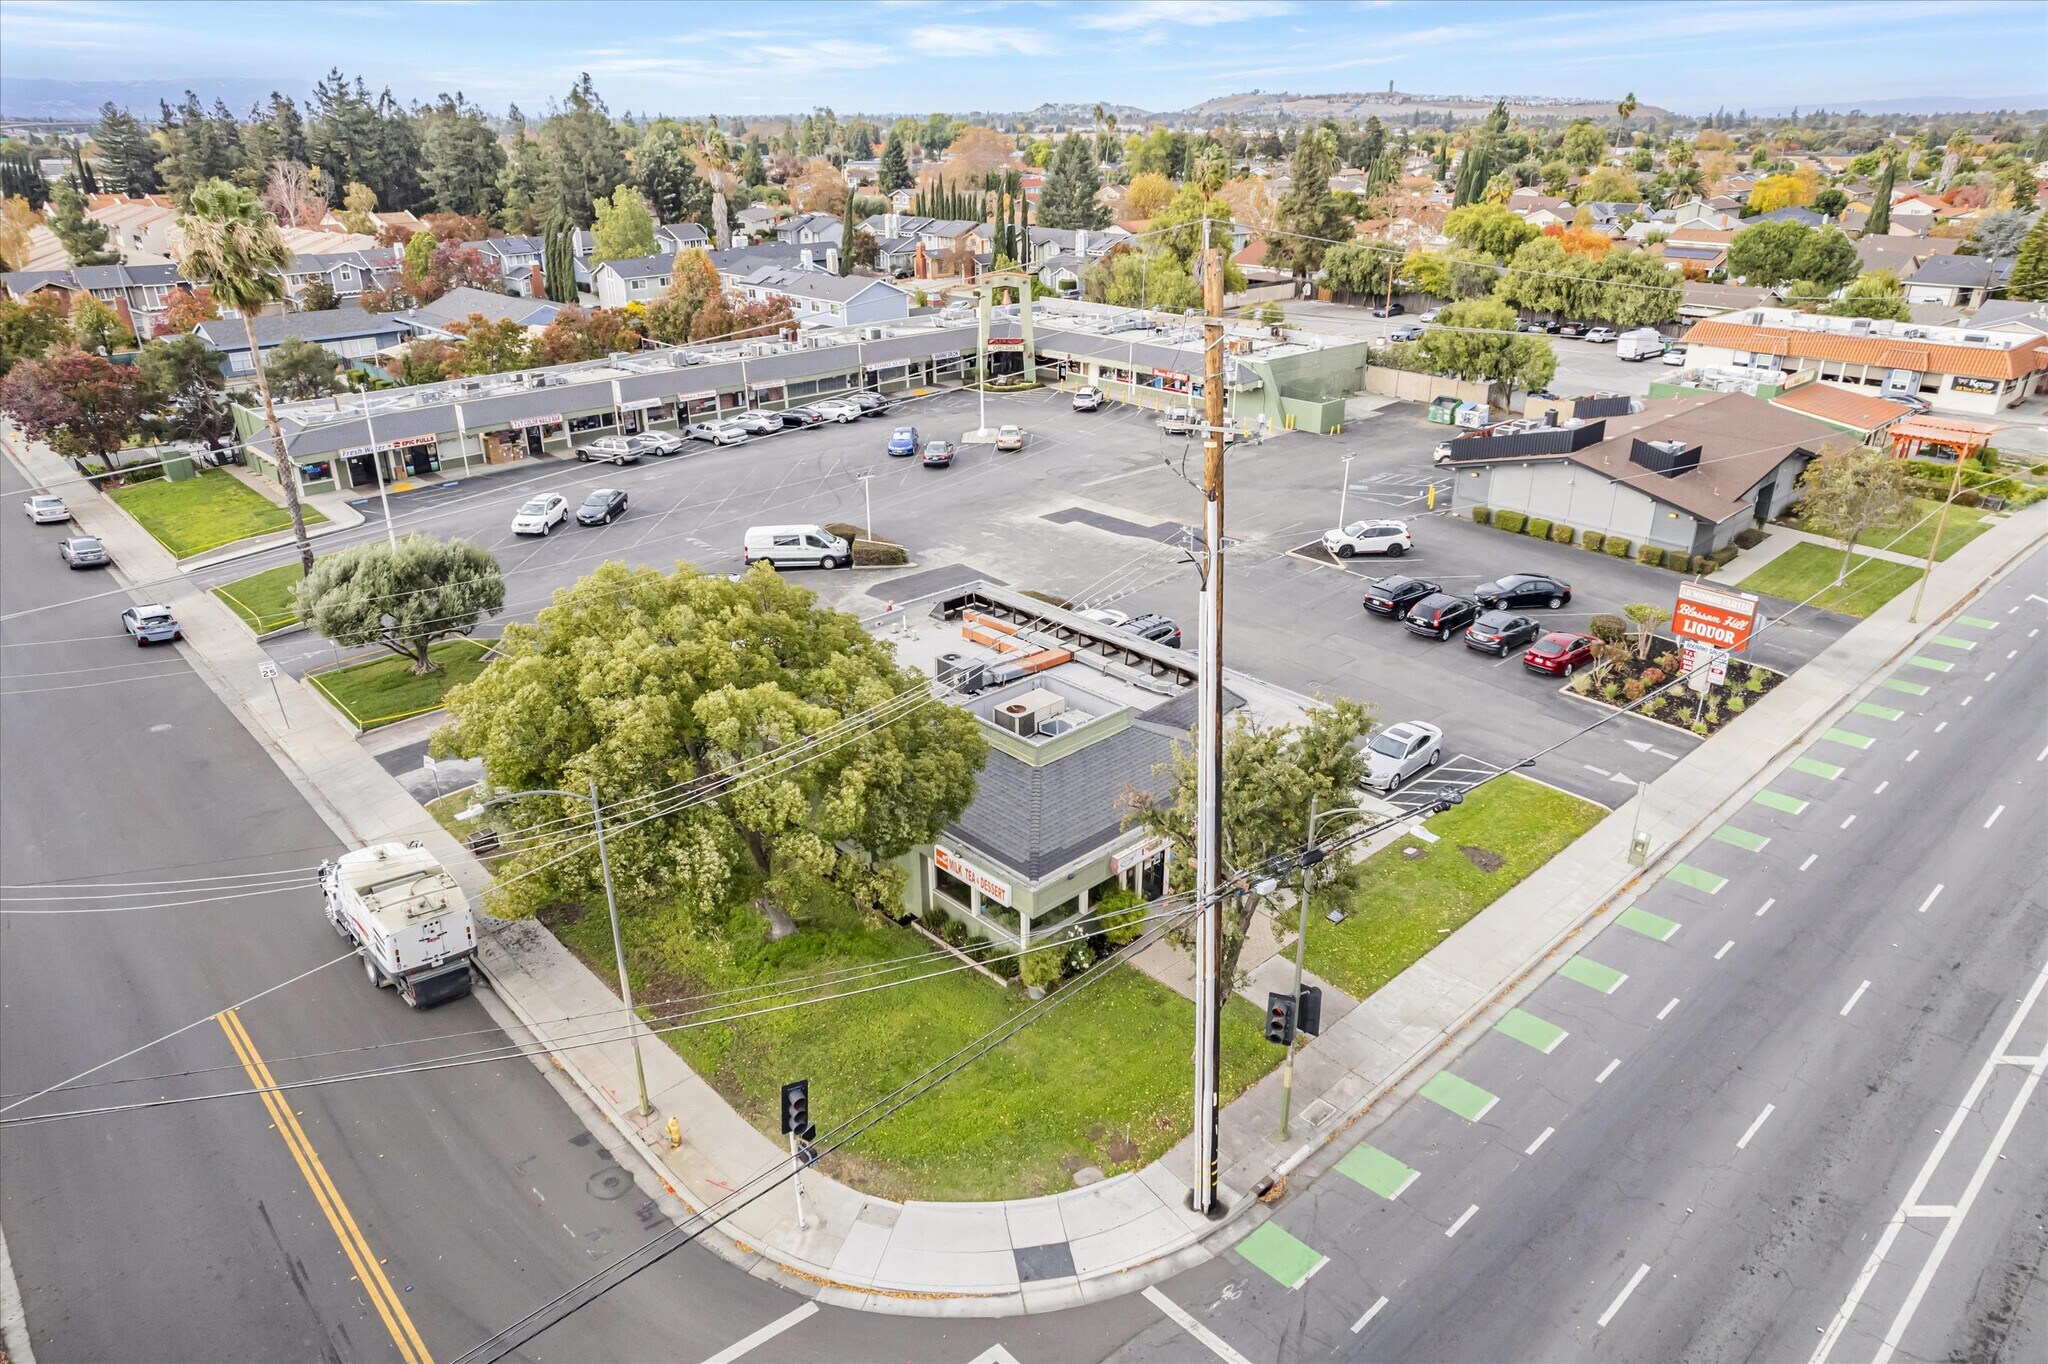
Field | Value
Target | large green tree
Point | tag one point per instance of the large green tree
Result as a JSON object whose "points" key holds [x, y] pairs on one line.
{"points": [[185, 386], [894, 173], [1477, 340], [1828, 256], [402, 598], [1309, 219], [461, 159], [1270, 775], [79, 405], [230, 243], [128, 153], [2030, 265], [1362, 268], [757, 748], [668, 176], [84, 240], [624, 229], [1491, 228], [301, 369], [1880, 220], [585, 157], [1636, 289], [1068, 199], [1877, 294], [1849, 490], [1763, 255]]}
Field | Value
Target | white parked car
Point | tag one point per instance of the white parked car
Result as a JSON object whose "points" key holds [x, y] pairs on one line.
{"points": [[1601, 334], [1102, 615], [1675, 356], [1429, 316], [758, 423], [1400, 751], [45, 510], [541, 514], [719, 432], [1087, 399], [1390, 538], [837, 409]]}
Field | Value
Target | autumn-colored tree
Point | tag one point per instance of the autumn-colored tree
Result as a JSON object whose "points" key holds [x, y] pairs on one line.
{"points": [[359, 208], [78, 404], [1148, 193], [185, 309], [1779, 191], [17, 219], [31, 328], [576, 334], [456, 227], [425, 361], [458, 265], [977, 151], [492, 347], [294, 194], [97, 329], [819, 188], [1580, 241]]}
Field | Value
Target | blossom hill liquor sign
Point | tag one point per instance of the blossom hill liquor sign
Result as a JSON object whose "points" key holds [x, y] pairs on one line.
{"points": [[1711, 616]]}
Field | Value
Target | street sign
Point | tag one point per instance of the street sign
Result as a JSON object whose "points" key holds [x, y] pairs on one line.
{"points": [[1712, 616], [1702, 666], [267, 671]]}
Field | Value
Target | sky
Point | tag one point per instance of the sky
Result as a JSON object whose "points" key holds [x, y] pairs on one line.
{"points": [[891, 56]]}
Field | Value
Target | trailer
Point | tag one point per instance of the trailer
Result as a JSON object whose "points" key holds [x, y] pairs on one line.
{"points": [[408, 918]]}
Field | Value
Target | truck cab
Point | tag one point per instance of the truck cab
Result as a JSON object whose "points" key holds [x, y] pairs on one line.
{"points": [[408, 918]]}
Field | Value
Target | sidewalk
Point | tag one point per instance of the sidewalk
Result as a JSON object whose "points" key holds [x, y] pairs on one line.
{"points": [[1109, 1237]]}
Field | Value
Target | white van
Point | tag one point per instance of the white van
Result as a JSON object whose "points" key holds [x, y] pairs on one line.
{"points": [[796, 546], [1643, 343]]}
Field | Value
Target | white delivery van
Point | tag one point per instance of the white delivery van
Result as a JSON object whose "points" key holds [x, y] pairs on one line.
{"points": [[796, 547], [1641, 344]]}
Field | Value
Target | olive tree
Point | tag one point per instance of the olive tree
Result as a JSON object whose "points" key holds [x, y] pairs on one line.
{"points": [[403, 598], [1850, 490]]}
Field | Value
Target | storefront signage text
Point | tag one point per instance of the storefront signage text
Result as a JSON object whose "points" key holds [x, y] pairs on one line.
{"points": [[1722, 619], [955, 865], [522, 423]]}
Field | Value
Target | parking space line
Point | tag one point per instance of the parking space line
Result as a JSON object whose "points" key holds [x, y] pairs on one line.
{"points": [[1878, 712], [1606, 1071], [767, 1333], [1955, 642], [1760, 1118], [1930, 898], [1848, 738], [1542, 1137], [1284, 1257], [1466, 1216], [1910, 688], [1853, 998], [1813, 767], [1724, 949], [1215, 1344], [1366, 1320], [1665, 1012], [1772, 800], [1622, 1296], [1935, 665]]}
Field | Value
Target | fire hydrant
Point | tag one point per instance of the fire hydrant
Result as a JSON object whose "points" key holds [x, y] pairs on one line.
{"points": [[675, 1134]]}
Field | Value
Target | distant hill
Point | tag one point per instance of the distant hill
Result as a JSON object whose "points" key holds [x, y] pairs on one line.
{"points": [[69, 101], [1261, 107]]}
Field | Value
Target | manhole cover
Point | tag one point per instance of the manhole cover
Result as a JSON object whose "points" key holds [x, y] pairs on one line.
{"points": [[608, 1183], [1318, 1113]]}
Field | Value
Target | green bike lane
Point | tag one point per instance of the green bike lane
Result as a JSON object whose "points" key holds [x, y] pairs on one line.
{"points": [[1715, 1083]]}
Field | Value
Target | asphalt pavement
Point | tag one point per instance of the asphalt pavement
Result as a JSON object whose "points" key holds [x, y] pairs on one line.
{"points": [[1784, 1106]]}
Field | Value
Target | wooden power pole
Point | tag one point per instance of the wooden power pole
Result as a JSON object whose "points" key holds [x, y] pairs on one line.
{"points": [[1209, 985]]}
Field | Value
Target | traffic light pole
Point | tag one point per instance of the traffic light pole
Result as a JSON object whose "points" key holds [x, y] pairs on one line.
{"points": [[1209, 760], [796, 1182], [1300, 948]]}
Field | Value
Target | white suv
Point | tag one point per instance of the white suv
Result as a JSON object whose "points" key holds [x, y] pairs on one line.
{"points": [[1390, 538]]}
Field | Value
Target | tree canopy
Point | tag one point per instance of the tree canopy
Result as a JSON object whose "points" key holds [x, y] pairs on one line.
{"points": [[761, 703], [1477, 340], [1491, 228], [77, 404], [1068, 199], [402, 598], [1848, 490], [301, 369], [624, 230]]}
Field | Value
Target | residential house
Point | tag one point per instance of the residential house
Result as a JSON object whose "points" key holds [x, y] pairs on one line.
{"points": [[1702, 246], [439, 318], [1712, 300], [347, 273], [639, 280], [807, 229], [1901, 255], [353, 335], [736, 263], [138, 293], [756, 218], [819, 299], [401, 221], [1792, 213], [515, 258], [2019, 315], [1686, 474], [1608, 218], [1954, 369], [901, 200], [678, 237], [1956, 281], [1704, 214], [141, 228]]}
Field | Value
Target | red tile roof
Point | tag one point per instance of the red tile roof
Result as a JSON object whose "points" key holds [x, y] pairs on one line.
{"points": [[1976, 362]]}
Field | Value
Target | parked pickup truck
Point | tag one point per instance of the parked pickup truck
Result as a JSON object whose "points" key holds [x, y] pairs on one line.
{"points": [[408, 919]]}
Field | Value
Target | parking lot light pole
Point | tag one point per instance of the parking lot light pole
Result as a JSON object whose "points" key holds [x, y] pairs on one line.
{"points": [[611, 905], [1344, 492], [377, 464]]}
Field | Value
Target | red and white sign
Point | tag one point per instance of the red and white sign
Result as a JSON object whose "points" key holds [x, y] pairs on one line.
{"points": [[1712, 616], [546, 419], [953, 864], [1702, 664]]}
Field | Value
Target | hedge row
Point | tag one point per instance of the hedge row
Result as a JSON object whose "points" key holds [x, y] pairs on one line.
{"points": [[1596, 542]]}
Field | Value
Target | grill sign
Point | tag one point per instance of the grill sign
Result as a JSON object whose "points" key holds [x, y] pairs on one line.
{"points": [[1722, 619]]}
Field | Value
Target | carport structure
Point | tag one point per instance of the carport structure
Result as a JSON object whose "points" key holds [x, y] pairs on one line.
{"points": [[1931, 437]]}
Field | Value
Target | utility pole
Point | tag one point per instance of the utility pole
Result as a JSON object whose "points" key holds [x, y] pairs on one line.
{"points": [[1955, 485], [377, 464], [1209, 762]]}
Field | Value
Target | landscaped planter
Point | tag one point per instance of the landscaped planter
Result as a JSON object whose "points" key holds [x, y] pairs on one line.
{"points": [[1679, 706]]}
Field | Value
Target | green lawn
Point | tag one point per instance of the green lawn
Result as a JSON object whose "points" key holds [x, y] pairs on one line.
{"points": [[1407, 905], [382, 690], [1807, 568], [1102, 1080], [264, 600], [1914, 533], [203, 513]]}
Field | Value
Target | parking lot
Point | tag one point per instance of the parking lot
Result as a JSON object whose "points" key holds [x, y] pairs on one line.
{"points": [[1097, 508]]}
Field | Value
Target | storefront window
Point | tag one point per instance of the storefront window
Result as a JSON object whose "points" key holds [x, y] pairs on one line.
{"points": [[316, 473], [704, 405], [592, 422], [951, 887]]}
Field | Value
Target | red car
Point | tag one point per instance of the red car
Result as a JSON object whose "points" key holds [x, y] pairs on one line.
{"points": [[1560, 653]]}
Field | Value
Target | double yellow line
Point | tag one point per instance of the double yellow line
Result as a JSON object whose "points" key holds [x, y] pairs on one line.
{"points": [[353, 1243]]}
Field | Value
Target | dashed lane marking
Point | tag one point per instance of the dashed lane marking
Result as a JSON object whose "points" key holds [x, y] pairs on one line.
{"points": [[1760, 1119], [1724, 949], [1366, 1320], [1765, 907], [1622, 1296], [1994, 817], [1466, 1216], [1606, 1071], [1853, 998], [1665, 1012], [1930, 898], [1541, 1137], [1215, 1344]]}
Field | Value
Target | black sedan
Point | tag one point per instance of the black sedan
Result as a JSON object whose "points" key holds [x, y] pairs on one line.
{"points": [[1440, 615], [1394, 596], [799, 417], [602, 507], [1523, 589], [1501, 632], [938, 454]]}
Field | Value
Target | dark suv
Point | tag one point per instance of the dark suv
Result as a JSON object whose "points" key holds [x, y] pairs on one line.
{"points": [[1440, 614], [1158, 629], [1393, 596]]}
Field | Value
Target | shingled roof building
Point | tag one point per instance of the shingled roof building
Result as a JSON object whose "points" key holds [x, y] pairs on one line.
{"points": [[1686, 474]]}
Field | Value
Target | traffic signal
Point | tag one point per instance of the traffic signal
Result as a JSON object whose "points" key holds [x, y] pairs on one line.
{"points": [[1308, 1014], [1280, 1018], [796, 1109]]}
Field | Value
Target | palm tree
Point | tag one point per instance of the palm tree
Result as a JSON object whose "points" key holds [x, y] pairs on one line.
{"points": [[231, 244]]}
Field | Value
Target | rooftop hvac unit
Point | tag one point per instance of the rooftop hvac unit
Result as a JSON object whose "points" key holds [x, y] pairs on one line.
{"points": [[960, 672], [1978, 337], [1024, 715], [872, 333]]}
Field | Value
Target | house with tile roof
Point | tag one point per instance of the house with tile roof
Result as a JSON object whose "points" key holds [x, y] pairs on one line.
{"points": [[1688, 473], [1864, 416], [1954, 368]]}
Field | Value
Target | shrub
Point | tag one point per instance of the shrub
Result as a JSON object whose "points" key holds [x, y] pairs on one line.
{"points": [[1617, 547], [1580, 683], [1120, 916], [1654, 676], [1667, 660], [1563, 535], [1749, 538], [1753, 681], [1538, 528], [1610, 689], [1702, 565], [1591, 541], [1004, 962], [952, 930], [1633, 689], [2039, 470], [1608, 629], [1651, 555], [1510, 521], [1481, 515], [1987, 460], [1044, 967], [1969, 497], [1724, 556], [1737, 704]]}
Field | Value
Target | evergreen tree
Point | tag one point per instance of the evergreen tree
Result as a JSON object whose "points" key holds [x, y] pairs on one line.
{"points": [[1069, 198], [84, 240], [753, 167], [460, 159], [583, 152], [22, 178], [895, 172], [127, 151], [1309, 213], [558, 261], [2030, 267], [1880, 221]]}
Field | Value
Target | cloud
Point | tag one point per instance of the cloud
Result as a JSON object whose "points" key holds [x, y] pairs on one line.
{"points": [[1143, 14], [966, 40]]}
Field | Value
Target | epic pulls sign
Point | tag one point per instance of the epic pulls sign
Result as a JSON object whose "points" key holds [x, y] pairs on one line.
{"points": [[1711, 616], [953, 864]]}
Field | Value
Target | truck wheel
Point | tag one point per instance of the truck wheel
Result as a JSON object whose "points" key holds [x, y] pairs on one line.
{"points": [[370, 970]]}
